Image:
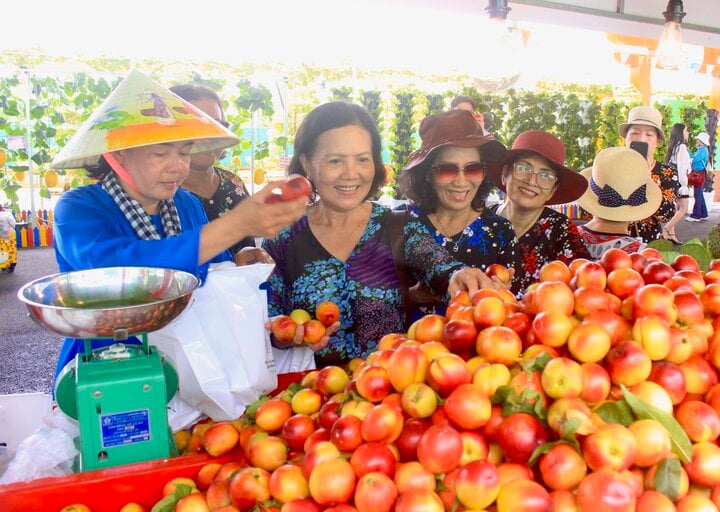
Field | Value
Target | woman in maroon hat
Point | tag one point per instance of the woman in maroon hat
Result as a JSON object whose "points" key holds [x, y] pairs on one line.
{"points": [[533, 175], [446, 183], [351, 250]]}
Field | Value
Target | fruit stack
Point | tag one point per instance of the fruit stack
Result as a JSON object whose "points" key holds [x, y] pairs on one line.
{"points": [[598, 391]]}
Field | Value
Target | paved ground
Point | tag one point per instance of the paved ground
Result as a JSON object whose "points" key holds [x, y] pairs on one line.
{"points": [[29, 352]]}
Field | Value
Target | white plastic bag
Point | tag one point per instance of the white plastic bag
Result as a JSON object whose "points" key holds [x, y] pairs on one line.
{"points": [[220, 347], [49, 451]]}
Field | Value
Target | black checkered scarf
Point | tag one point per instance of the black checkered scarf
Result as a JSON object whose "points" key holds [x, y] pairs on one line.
{"points": [[136, 215]]}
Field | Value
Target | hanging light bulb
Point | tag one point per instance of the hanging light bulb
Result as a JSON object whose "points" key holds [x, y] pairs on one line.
{"points": [[669, 50], [502, 67]]}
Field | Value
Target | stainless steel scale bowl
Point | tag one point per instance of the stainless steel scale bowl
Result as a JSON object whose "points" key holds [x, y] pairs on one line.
{"points": [[97, 303]]}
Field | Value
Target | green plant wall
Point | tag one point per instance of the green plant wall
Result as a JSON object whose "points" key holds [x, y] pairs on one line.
{"points": [[586, 118]]}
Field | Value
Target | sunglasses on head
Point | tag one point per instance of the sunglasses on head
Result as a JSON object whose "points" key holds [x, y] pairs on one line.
{"points": [[448, 172]]}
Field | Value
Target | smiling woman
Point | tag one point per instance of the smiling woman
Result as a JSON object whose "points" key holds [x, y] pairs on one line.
{"points": [[533, 175], [446, 181], [348, 249]]}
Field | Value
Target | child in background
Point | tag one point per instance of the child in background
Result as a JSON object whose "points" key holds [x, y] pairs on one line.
{"points": [[621, 190]]}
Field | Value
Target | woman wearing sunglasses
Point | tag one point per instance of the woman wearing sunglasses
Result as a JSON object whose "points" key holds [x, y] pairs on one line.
{"points": [[446, 182], [533, 176], [349, 249], [219, 190]]}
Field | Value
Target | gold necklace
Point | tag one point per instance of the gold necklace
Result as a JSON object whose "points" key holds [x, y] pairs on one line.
{"points": [[447, 240]]}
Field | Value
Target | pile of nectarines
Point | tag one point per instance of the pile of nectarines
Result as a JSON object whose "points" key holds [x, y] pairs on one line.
{"points": [[597, 391]]}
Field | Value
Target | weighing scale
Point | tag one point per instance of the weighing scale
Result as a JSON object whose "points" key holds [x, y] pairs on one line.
{"points": [[119, 393]]}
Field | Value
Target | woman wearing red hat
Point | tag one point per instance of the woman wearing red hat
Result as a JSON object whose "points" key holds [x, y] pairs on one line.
{"points": [[533, 175], [349, 249], [447, 185]]}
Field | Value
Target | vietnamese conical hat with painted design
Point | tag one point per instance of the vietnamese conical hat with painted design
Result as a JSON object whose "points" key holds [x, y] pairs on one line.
{"points": [[140, 112]]}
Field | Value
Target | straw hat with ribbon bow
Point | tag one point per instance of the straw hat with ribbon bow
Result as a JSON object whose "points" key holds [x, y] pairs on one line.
{"points": [[621, 188]]}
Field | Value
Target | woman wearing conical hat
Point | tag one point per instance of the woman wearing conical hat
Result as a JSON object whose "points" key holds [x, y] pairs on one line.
{"points": [[138, 145]]}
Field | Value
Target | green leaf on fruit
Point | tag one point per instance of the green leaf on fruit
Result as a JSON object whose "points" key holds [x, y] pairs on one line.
{"points": [[615, 412], [253, 407], [698, 252], [569, 429], [661, 245], [537, 363], [681, 445], [668, 256], [167, 504], [541, 450], [501, 395], [287, 393], [529, 401], [667, 478], [694, 241]]}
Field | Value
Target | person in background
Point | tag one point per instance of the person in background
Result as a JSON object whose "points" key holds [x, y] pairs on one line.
{"points": [[349, 249], [678, 157], [621, 191], [7, 222], [533, 175], [138, 144], [469, 104], [8, 245], [219, 190], [644, 124], [446, 183], [700, 163]]}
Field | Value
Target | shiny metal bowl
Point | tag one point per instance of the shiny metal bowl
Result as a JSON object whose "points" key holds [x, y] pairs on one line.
{"points": [[110, 302]]}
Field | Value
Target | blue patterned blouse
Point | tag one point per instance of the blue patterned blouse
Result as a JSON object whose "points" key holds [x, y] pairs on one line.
{"points": [[366, 287]]}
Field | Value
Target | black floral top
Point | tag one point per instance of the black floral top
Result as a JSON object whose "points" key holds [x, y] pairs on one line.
{"points": [[553, 237], [488, 239], [649, 229], [366, 287], [231, 190]]}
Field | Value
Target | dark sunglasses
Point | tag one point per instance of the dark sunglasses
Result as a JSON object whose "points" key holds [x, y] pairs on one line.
{"points": [[448, 172]]}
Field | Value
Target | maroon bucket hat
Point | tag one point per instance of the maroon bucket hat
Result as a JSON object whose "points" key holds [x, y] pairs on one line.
{"points": [[455, 128], [571, 184]]}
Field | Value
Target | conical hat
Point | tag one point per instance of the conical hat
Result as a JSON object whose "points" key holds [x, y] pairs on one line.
{"points": [[140, 112]]}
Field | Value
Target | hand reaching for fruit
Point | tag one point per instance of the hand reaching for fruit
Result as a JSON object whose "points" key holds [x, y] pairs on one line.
{"points": [[500, 275], [473, 279]]}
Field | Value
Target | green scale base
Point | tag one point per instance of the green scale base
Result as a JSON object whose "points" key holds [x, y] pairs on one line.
{"points": [[119, 397]]}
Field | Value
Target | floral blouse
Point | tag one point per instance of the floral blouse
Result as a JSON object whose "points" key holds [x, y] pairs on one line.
{"points": [[488, 239], [553, 237], [597, 243], [366, 287], [231, 190], [649, 229]]}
